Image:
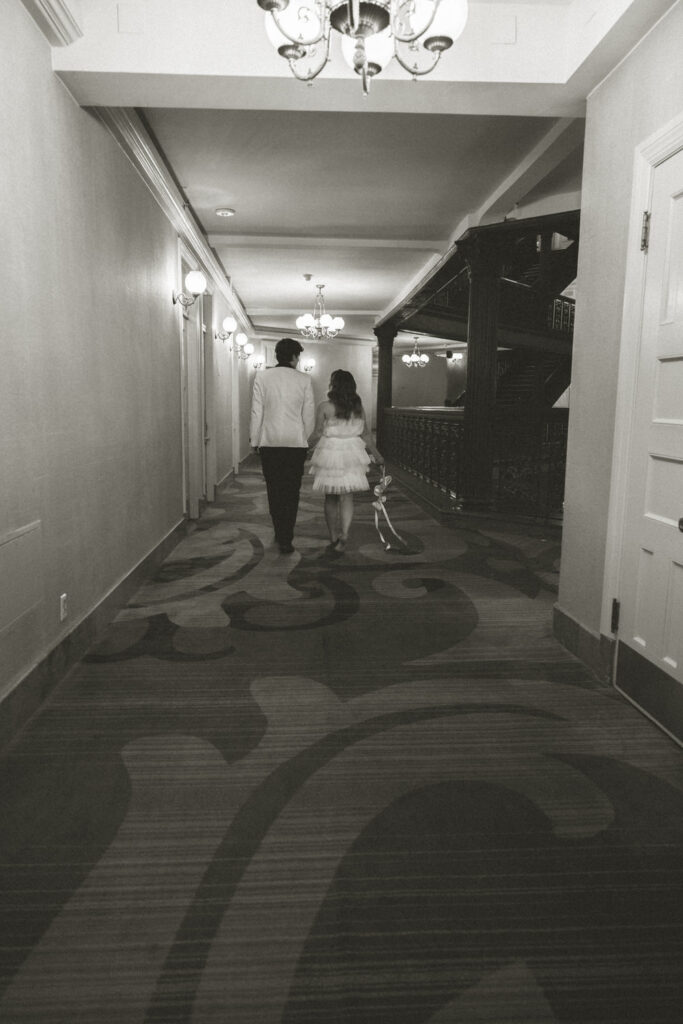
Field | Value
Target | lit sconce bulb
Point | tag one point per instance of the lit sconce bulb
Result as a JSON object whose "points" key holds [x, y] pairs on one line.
{"points": [[229, 326], [244, 346], [195, 282], [307, 364], [196, 285]]}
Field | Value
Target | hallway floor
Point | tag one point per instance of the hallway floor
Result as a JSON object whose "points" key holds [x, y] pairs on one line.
{"points": [[368, 788]]}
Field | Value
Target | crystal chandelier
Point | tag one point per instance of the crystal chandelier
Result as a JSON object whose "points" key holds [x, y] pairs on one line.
{"points": [[416, 360], [372, 33], [319, 324]]}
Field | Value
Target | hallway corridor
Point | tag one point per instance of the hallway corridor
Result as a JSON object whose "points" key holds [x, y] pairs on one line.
{"points": [[368, 788]]}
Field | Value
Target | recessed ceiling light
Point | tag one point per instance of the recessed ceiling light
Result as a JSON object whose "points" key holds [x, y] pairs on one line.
{"points": [[225, 211]]}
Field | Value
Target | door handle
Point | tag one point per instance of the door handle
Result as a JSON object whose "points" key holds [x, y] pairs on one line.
{"points": [[680, 525]]}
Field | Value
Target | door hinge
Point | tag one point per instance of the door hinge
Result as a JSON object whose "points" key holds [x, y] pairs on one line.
{"points": [[645, 231], [616, 608]]}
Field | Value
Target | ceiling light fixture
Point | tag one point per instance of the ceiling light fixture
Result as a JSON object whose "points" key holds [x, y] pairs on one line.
{"points": [[319, 324], [416, 360], [225, 211], [373, 32]]}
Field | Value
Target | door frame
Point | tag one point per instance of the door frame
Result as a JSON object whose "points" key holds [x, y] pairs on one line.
{"points": [[192, 427], [210, 457], [655, 150]]}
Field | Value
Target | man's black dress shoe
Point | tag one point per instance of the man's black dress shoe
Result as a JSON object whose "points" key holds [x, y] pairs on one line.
{"points": [[286, 549]]}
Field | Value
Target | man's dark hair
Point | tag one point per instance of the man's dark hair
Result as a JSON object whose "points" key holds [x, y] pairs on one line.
{"points": [[286, 349]]}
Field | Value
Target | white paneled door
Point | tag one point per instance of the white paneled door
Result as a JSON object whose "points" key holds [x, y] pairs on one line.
{"points": [[651, 576]]}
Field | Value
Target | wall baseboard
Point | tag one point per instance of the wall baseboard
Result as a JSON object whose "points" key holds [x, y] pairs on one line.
{"points": [[595, 651], [654, 692], [32, 691]]}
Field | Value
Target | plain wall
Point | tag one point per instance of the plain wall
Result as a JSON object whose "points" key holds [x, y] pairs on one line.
{"points": [[339, 355], [427, 385], [640, 96], [90, 420]]}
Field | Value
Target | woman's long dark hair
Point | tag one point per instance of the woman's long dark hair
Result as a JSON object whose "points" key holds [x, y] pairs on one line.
{"points": [[344, 396]]}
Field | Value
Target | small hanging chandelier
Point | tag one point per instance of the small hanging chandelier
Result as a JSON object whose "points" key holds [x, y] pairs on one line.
{"points": [[373, 32], [416, 360], [319, 324]]}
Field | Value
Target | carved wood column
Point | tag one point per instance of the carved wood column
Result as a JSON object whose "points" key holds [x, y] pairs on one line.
{"points": [[484, 267], [385, 341]]}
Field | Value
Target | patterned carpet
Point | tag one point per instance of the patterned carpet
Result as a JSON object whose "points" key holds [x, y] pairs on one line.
{"points": [[368, 788]]}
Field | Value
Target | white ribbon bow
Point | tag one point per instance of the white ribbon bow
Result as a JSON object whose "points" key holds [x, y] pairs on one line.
{"points": [[379, 506]]}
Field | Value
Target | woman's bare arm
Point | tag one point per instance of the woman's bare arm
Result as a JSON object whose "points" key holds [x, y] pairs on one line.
{"points": [[369, 443], [322, 414]]}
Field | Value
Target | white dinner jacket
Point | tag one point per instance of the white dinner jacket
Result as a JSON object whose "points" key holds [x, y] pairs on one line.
{"points": [[282, 408]]}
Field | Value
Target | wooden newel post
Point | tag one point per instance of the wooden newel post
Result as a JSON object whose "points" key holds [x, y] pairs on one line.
{"points": [[385, 342], [484, 267]]}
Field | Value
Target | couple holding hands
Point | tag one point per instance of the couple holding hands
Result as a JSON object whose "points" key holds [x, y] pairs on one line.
{"points": [[284, 425]]}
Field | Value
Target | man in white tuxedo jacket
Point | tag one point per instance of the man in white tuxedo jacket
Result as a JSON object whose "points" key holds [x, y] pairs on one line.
{"points": [[282, 418]]}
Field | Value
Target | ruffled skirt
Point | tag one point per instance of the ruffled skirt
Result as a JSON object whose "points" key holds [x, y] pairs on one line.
{"points": [[339, 465]]}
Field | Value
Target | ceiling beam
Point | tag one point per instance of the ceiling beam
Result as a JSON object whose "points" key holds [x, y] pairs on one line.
{"points": [[292, 311], [269, 333], [220, 239]]}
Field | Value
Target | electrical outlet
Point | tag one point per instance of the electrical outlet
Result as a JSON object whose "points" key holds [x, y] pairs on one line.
{"points": [[63, 608]]}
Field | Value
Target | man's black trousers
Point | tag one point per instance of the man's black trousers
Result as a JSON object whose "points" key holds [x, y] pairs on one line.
{"points": [[282, 470]]}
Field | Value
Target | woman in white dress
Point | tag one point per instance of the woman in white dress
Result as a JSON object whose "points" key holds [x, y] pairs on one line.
{"points": [[340, 461]]}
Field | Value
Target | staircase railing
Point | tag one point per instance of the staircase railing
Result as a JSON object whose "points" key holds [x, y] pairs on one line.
{"points": [[529, 460], [426, 444]]}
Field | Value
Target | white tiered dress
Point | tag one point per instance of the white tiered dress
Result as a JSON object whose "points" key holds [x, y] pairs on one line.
{"points": [[340, 462]]}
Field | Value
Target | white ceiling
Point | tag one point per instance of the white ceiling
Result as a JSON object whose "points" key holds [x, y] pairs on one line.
{"points": [[361, 201], [364, 193]]}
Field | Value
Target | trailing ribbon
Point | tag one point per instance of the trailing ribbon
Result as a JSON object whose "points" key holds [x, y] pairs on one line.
{"points": [[379, 506]]}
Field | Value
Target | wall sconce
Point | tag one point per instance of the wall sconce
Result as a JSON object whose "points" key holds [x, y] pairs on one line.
{"points": [[244, 346], [257, 363], [196, 285], [307, 364], [229, 326]]}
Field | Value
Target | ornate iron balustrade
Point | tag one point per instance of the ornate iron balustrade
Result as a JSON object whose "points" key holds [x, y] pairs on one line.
{"points": [[529, 459], [427, 443]]}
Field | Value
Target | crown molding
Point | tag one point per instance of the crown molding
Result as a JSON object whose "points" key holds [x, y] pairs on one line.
{"points": [[57, 19], [130, 133]]}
